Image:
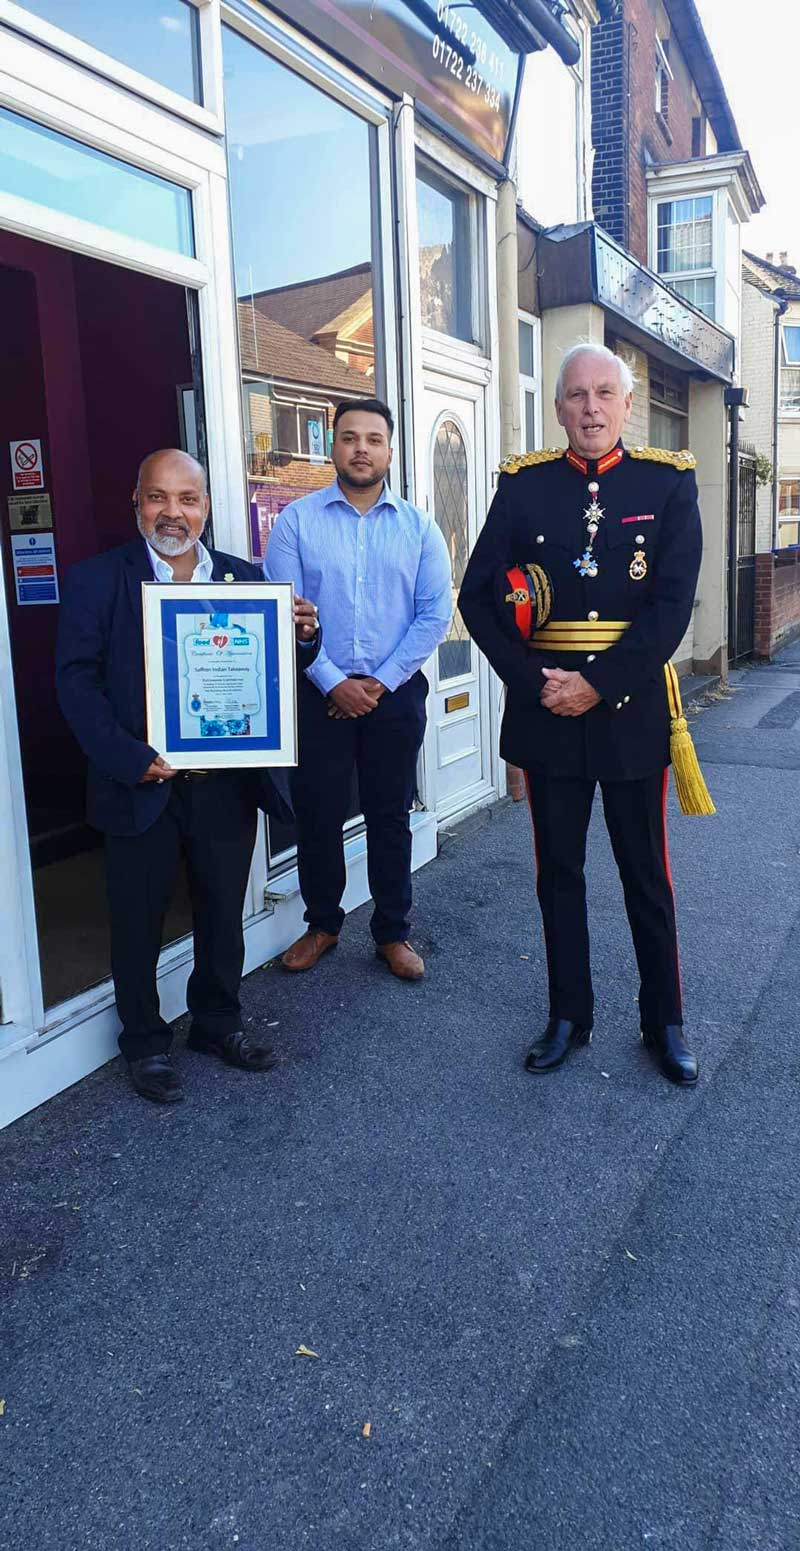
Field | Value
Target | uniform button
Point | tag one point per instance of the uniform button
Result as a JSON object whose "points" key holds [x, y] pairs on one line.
{"points": [[640, 538], [593, 614], [626, 699], [619, 705], [591, 657], [540, 538]]}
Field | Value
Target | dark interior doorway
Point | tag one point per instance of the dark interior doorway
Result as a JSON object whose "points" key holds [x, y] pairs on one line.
{"points": [[96, 364]]}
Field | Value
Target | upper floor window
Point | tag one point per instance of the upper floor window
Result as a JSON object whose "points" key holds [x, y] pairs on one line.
{"points": [[157, 38], [685, 248], [790, 366], [663, 78]]}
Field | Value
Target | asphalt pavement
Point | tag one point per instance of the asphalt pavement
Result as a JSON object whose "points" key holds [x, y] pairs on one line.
{"points": [[553, 1314]]}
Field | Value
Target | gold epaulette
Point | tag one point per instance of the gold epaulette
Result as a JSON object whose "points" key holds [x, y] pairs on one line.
{"points": [[528, 460], [679, 460]]}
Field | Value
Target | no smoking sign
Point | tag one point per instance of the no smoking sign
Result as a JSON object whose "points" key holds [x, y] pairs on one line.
{"points": [[26, 464]]}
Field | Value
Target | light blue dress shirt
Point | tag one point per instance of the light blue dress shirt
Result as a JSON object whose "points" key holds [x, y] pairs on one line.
{"points": [[381, 581]]}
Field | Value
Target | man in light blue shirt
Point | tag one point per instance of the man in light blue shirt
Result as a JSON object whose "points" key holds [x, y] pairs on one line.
{"points": [[379, 572]]}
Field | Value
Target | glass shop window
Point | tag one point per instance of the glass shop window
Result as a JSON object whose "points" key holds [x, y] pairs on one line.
{"points": [[159, 38], [445, 215], [302, 183]]}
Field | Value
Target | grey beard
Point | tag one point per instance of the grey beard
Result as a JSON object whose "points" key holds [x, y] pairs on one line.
{"points": [[170, 547]]}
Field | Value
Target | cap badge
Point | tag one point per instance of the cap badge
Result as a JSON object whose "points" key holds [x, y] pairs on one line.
{"points": [[637, 570]]}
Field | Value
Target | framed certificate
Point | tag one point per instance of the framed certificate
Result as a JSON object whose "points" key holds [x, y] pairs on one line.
{"points": [[220, 681]]}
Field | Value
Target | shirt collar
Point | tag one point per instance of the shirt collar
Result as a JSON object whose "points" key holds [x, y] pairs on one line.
{"points": [[163, 572], [334, 493], [602, 465]]}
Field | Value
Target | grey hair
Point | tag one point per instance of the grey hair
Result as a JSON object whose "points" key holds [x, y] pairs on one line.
{"points": [[627, 380]]}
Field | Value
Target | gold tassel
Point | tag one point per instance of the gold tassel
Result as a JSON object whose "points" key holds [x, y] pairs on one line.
{"points": [[693, 794]]}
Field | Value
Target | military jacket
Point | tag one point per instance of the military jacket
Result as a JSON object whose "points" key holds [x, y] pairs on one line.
{"points": [[646, 553]]}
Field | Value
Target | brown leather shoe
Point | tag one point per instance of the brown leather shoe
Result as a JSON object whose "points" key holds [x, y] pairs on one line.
{"points": [[308, 949], [402, 960]]}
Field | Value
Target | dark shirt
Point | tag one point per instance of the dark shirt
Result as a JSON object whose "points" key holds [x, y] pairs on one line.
{"points": [[538, 515]]}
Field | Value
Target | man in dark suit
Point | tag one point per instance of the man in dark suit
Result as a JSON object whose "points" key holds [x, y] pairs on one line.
{"points": [[618, 533], [148, 812]]}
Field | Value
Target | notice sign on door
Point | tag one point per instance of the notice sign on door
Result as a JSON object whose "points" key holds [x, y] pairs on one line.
{"points": [[34, 557], [26, 464]]}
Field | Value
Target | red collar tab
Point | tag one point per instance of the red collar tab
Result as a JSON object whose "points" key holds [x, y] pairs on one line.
{"points": [[610, 460], [603, 465]]}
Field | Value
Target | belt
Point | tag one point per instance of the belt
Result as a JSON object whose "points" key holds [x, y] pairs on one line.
{"points": [[594, 635], [579, 635]]}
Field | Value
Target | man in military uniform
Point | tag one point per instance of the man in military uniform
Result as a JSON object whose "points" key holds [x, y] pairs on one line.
{"points": [[618, 534]]}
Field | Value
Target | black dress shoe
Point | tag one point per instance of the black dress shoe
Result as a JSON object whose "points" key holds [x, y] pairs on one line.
{"points": [[236, 1049], [671, 1054], [155, 1077], [555, 1044]]}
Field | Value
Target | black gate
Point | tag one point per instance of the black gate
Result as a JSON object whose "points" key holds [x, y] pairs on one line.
{"points": [[742, 623]]}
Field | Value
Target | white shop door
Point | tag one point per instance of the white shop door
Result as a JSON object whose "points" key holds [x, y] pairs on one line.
{"points": [[457, 756]]}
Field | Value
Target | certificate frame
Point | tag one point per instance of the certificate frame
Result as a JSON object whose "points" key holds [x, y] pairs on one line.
{"points": [[220, 674]]}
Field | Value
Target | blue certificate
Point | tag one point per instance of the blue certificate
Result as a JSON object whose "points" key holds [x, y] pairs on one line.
{"points": [[220, 673]]}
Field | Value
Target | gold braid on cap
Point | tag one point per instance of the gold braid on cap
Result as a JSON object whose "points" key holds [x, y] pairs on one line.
{"points": [[679, 460], [529, 460]]}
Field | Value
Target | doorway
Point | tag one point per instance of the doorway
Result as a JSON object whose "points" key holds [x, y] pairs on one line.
{"points": [[97, 369], [458, 753]]}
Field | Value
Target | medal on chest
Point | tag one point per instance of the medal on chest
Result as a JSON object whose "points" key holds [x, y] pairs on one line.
{"points": [[586, 564]]}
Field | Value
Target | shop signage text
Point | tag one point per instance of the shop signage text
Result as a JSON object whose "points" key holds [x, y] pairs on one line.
{"points": [[445, 55]]}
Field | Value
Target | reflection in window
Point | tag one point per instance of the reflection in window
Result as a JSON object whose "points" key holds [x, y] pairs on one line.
{"points": [[300, 177], [65, 175], [444, 255], [159, 38], [451, 510]]}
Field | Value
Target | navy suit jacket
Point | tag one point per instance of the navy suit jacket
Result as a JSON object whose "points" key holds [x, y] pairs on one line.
{"points": [[100, 688]]}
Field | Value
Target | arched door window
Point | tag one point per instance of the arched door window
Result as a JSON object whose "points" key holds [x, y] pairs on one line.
{"points": [[451, 510]]}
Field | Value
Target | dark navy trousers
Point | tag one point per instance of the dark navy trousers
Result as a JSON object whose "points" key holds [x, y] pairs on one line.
{"points": [[381, 748], [635, 815], [212, 821]]}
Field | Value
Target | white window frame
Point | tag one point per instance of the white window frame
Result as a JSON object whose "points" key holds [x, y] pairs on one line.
{"points": [[208, 115], [47, 89], [533, 384], [663, 70], [677, 277], [477, 266], [719, 177]]}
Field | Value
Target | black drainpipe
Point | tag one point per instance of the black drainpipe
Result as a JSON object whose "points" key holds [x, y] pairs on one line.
{"points": [[734, 398]]}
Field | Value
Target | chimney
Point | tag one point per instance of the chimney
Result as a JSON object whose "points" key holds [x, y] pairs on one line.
{"points": [[770, 258], [784, 257]]}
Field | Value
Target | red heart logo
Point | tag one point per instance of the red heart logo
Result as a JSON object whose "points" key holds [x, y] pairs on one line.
{"points": [[220, 640]]}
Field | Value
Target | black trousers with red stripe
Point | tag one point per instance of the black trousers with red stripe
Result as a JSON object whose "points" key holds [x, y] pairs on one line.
{"points": [[635, 815]]}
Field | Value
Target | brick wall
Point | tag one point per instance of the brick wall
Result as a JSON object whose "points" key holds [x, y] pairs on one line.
{"points": [[624, 118], [636, 432], [609, 123], [777, 611]]}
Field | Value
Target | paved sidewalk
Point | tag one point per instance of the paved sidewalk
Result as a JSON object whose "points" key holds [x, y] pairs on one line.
{"points": [[569, 1308]]}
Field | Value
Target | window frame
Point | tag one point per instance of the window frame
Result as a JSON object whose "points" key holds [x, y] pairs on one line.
{"points": [[476, 242], [207, 114], [712, 272], [531, 384]]}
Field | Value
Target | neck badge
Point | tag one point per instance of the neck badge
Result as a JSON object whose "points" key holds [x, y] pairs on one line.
{"points": [[586, 565]]}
